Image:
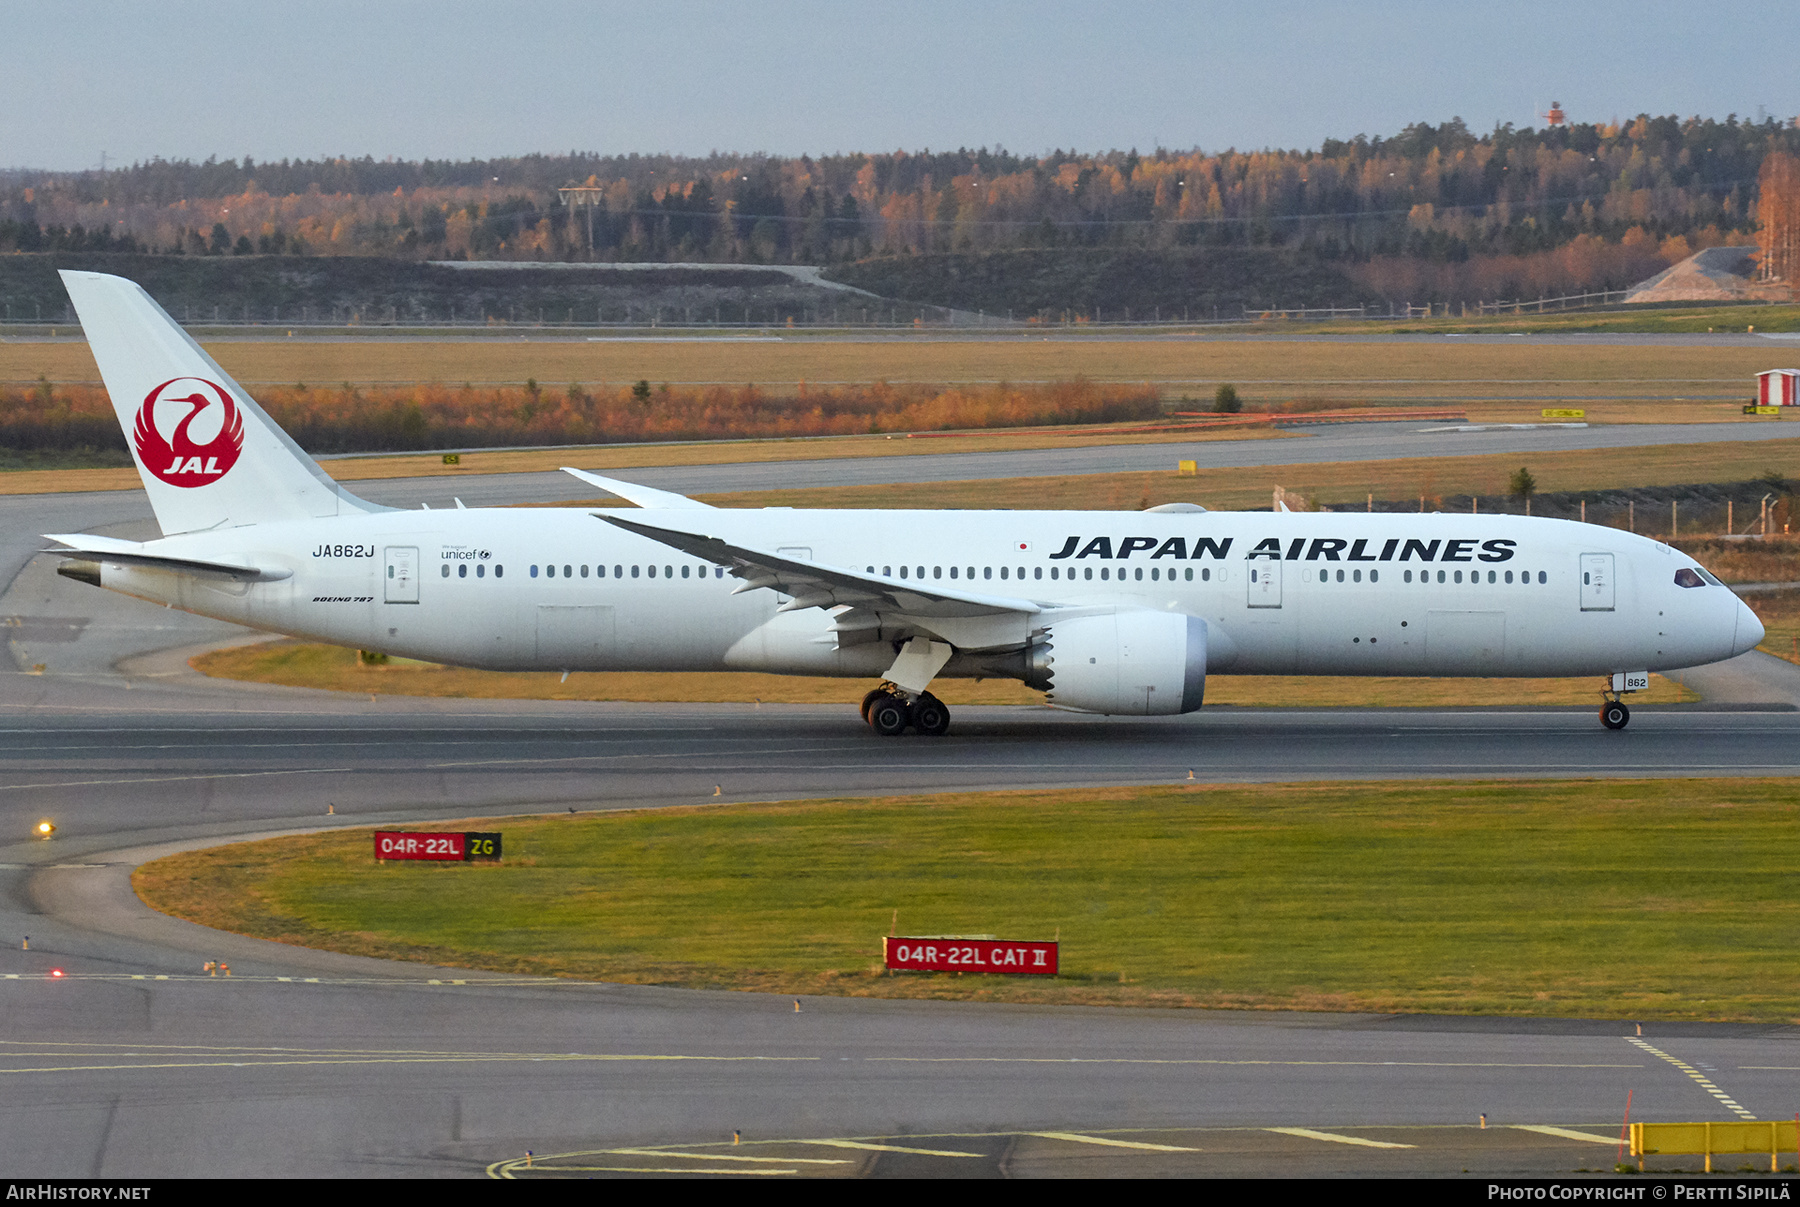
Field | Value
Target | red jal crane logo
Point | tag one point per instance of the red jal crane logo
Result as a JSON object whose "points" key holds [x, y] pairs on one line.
{"points": [[179, 460]]}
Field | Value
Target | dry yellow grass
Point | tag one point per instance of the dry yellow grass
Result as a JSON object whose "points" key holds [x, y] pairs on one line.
{"points": [[1523, 375], [629, 456], [1345, 482], [331, 668]]}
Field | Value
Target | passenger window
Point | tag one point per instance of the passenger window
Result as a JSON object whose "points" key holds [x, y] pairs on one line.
{"points": [[499, 570], [634, 572], [1088, 573], [446, 570], [534, 572], [1037, 572], [1003, 572], [1140, 574], [1441, 576], [584, 571], [668, 572], [619, 572], [1407, 577], [480, 570], [1021, 572], [953, 572], [937, 572], [1374, 576], [987, 572], [903, 572], [887, 572], [1355, 576], [1509, 577], [1340, 576], [567, 572], [1105, 573], [1205, 575], [684, 571], [1542, 577], [1458, 576], [462, 571]]}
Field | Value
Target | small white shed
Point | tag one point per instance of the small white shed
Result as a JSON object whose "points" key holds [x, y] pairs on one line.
{"points": [[1778, 388]]}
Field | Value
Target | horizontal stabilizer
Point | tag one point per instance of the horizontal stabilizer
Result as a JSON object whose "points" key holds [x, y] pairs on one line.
{"points": [[641, 496], [133, 553]]}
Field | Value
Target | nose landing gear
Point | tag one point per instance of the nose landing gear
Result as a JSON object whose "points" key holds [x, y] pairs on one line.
{"points": [[1614, 714], [889, 713]]}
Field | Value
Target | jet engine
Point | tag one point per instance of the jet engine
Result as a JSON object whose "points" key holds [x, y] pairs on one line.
{"points": [[1132, 662]]}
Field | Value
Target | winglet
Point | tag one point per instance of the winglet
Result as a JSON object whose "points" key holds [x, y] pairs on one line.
{"points": [[642, 496]]}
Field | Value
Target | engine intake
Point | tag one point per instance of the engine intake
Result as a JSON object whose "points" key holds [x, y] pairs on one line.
{"points": [[1132, 662]]}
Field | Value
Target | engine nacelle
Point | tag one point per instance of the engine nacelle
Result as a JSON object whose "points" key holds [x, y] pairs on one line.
{"points": [[1133, 662]]}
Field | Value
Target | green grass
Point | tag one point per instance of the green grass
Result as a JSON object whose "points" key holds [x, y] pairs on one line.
{"points": [[1635, 899]]}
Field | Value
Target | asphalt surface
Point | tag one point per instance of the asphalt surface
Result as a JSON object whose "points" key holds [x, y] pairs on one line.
{"points": [[305, 1063], [1317, 445]]}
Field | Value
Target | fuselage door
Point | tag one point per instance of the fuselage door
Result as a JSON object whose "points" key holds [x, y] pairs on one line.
{"points": [[401, 574], [1262, 583], [1596, 582]]}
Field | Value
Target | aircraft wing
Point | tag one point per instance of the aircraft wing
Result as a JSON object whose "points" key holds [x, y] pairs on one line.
{"points": [[813, 585], [133, 553], [643, 496]]}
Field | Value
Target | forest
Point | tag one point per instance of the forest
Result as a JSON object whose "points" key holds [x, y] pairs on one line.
{"points": [[1433, 211]]}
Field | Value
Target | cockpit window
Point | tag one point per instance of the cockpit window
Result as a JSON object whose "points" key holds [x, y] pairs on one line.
{"points": [[1686, 577], [1707, 575]]}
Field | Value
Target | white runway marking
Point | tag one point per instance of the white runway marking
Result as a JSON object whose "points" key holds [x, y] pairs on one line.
{"points": [[1700, 1079], [1076, 1138], [1309, 1134], [1563, 1132]]}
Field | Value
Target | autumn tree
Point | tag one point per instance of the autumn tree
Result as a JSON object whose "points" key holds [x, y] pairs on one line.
{"points": [[1778, 212]]}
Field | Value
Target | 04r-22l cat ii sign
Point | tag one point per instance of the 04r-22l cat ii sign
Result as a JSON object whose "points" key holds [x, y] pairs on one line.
{"points": [[1106, 612]]}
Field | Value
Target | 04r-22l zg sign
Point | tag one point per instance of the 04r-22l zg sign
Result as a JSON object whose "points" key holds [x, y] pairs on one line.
{"points": [[437, 846]]}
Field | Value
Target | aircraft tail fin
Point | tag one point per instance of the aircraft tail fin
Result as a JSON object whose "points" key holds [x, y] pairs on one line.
{"points": [[209, 456]]}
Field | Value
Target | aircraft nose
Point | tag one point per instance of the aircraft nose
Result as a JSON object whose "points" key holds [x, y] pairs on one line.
{"points": [[1749, 630]]}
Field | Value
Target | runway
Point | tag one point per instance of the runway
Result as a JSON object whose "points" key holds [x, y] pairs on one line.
{"points": [[311, 1064]]}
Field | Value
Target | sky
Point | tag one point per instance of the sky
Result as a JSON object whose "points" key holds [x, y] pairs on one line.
{"points": [[188, 79]]}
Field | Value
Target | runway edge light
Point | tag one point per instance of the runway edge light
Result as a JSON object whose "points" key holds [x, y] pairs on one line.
{"points": [[44, 829]]}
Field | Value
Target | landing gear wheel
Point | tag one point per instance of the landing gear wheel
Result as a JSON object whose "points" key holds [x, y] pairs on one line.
{"points": [[889, 716], [869, 700], [1614, 714], [930, 716]]}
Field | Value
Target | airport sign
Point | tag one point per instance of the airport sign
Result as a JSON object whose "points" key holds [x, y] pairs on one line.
{"points": [[437, 846], [955, 953]]}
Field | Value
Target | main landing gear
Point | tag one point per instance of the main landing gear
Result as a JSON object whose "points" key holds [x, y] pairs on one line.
{"points": [[889, 713]]}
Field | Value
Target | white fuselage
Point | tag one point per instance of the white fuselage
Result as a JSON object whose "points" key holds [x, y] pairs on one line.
{"points": [[1281, 593]]}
